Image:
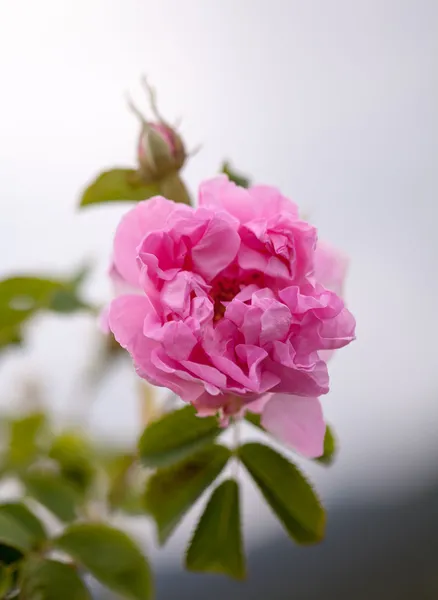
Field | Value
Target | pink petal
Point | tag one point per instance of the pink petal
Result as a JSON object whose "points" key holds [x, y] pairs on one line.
{"points": [[216, 249], [330, 267], [126, 317], [220, 193], [147, 216], [296, 421]]}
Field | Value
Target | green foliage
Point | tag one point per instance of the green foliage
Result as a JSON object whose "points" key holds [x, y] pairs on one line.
{"points": [[173, 490], [14, 534], [175, 436], [6, 580], [235, 176], [25, 433], [23, 297], [287, 492], [329, 447], [216, 546], [22, 515], [118, 185], [53, 492], [74, 456], [111, 556], [52, 580]]}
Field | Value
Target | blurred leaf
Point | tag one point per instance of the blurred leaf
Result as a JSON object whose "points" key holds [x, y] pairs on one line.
{"points": [[118, 185], [234, 176], [13, 534], [74, 455], [26, 519], [123, 494], [172, 491], [52, 492], [286, 490], [329, 447], [52, 580], [21, 297], [175, 436], [216, 546], [110, 556], [10, 336], [24, 437], [6, 580], [8, 555]]}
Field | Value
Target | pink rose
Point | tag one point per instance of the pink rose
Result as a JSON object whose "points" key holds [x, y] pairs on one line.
{"points": [[229, 312]]}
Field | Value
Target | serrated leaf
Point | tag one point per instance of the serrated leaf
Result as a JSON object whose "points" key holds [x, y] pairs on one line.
{"points": [[26, 519], [110, 556], [24, 434], [175, 436], [287, 491], [170, 492], [13, 534], [118, 185], [52, 580], [234, 176], [216, 546], [329, 447], [53, 492]]}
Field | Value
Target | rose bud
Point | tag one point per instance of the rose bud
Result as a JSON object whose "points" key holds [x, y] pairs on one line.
{"points": [[160, 150]]}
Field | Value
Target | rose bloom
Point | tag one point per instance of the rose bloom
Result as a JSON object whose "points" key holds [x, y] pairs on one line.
{"points": [[233, 306]]}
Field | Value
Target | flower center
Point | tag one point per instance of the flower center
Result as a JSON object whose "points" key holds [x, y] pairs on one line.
{"points": [[224, 289]]}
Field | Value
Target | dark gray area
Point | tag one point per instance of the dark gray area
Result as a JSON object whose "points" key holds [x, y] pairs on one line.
{"points": [[371, 552]]}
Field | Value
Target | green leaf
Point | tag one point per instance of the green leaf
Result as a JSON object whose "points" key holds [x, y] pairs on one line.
{"points": [[21, 297], [286, 490], [52, 580], [74, 455], [6, 580], [111, 556], [175, 436], [13, 534], [53, 492], [8, 555], [125, 483], [234, 176], [329, 448], [118, 185], [216, 546], [25, 434], [26, 519], [172, 491], [10, 336]]}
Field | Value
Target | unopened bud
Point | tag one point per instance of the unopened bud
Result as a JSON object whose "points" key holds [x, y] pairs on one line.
{"points": [[160, 149]]}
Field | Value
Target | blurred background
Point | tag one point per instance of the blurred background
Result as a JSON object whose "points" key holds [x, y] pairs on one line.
{"points": [[333, 102]]}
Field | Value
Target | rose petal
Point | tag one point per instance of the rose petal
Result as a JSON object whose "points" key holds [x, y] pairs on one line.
{"points": [[296, 421]]}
